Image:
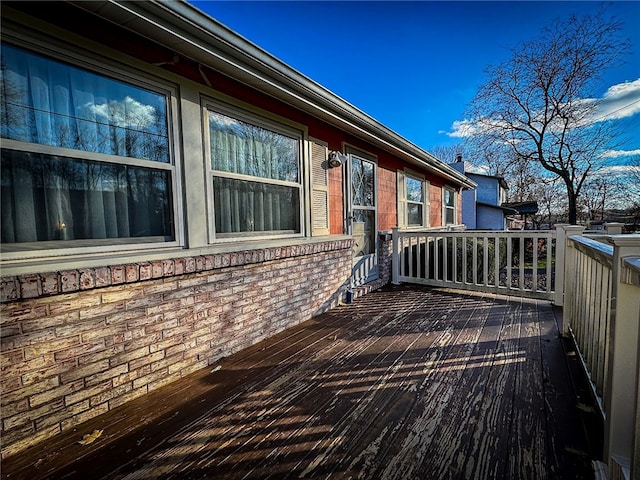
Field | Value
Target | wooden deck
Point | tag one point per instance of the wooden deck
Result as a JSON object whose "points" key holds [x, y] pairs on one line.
{"points": [[405, 383]]}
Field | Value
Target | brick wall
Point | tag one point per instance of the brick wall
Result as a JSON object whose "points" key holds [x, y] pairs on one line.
{"points": [[79, 343]]}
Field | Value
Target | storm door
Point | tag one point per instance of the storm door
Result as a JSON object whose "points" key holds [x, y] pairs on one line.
{"points": [[362, 217]]}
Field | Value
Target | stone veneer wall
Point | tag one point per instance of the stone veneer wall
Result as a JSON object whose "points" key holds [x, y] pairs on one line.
{"points": [[78, 343]]}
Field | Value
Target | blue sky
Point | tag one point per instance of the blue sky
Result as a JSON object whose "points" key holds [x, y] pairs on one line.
{"points": [[414, 66]]}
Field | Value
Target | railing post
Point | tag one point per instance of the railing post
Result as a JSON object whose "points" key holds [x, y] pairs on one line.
{"points": [[614, 228], [395, 257], [621, 387], [562, 232]]}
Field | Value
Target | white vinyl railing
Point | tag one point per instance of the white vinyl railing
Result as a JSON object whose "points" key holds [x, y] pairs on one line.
{"points": [[602, 314], [511, 262], [587, 304]]}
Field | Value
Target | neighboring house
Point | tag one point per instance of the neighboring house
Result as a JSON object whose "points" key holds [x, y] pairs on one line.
{"points": [[484, 207], [171, 193]]}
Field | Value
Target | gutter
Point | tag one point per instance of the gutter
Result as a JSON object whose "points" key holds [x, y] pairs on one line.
{"points": [[184, 29]]}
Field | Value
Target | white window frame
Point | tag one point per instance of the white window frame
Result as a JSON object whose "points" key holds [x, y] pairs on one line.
{"points": [[254, 116], [403, 199], [59, 50], [425, 199], [446, 207]]}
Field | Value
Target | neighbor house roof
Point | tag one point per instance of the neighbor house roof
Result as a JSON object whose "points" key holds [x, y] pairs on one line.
{"points": [[189, 32], [504, 208], [500, 180], [523, 207]]}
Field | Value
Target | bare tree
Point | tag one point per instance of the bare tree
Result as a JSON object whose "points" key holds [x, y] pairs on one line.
{"points": [[450, 153], [603, 193], [550, 202], [634, 170], [540, 103]]}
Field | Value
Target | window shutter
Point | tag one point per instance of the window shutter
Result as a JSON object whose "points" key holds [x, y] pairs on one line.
{"points": [[319, 189], [402, 199]]}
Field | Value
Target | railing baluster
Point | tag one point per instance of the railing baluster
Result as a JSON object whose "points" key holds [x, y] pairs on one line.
{"points": [[445, 259], [429, 257], [436, 258], [509, 262], [474, 256], [607, 327], [550, 254], [521, 263], [411, 256], [534, 266], [590, 313], [496, 262], [454, 258], [465, 261], [603, 316], [485, 260]]}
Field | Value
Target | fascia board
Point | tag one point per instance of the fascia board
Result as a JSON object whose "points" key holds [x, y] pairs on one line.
{"points": [[187, 31]]}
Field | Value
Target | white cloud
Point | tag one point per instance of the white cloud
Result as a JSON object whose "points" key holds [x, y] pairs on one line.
{"points": [[619, 101], [462, 129], [620, 153], [223, 120], [623, 173], [479, 169], [619, 170], [126, 113]]}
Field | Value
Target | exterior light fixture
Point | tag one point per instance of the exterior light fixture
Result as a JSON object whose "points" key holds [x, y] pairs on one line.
{"points": [[336, 159]]}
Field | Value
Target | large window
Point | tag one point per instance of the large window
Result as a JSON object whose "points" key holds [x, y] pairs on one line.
{"points": [[256, 177], [85, 157], [450, 206]]}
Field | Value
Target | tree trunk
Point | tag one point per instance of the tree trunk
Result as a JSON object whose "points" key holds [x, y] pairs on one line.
{"points": [[573, 208], [572, 199]]}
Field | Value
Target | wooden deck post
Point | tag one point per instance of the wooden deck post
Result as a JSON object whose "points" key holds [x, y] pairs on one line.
{"points": [[562, 232], [621, 391]]}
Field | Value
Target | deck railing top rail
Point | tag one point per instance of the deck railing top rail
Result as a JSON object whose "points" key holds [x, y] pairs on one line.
{"points": [[595, 248]]}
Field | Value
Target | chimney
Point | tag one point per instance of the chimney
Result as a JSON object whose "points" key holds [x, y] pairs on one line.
{"points": [[458, 157]]}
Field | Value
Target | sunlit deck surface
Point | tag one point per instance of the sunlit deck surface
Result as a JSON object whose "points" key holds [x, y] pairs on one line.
{"points": [[405, 383]]}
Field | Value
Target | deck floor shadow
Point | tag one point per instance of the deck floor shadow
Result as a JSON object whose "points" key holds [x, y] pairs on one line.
{"points": [[407, 382]]}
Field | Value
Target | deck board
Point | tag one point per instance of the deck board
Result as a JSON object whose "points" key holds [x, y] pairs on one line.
{"points": [[407, 382]]}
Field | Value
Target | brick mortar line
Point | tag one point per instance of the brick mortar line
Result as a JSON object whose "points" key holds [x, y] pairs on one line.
{"points": [[32, 286]]}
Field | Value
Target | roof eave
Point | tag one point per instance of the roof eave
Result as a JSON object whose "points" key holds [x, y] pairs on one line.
{"points": [[187, 31]]}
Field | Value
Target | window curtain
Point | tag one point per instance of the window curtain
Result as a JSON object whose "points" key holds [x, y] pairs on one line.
{"points": [[47, 197], [248, 150]]}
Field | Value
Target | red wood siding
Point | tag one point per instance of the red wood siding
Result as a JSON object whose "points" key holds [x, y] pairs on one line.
{"points": [[435, 209], [387, 200]]}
